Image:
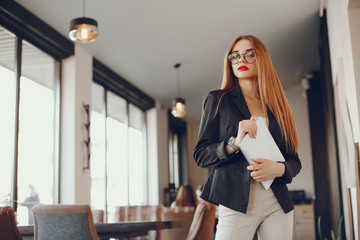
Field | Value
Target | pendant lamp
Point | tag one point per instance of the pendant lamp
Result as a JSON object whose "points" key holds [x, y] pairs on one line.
{"points": [[179, 107], [83, 30]]}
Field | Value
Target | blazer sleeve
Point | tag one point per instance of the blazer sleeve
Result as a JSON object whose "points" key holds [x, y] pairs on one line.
{"points": [[209, 150], [292, 167]]}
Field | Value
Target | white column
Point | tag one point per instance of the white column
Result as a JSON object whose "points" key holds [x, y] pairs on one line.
{"points": [[158, 153], [76, 91]]}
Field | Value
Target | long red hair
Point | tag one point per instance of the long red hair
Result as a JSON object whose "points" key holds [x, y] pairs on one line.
{"points": [[270, 90]]}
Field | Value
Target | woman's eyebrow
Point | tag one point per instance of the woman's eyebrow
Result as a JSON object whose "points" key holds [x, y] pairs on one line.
{"points": [[247, 50]]}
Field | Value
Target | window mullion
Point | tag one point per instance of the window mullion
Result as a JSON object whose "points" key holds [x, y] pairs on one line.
{"points": [[171, 158], [144, 143], [17, 75], [106, 153], [127, 150], [57, 137]]}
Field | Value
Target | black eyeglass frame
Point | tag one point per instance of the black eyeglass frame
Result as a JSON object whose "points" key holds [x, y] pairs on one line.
{"points": [[239, 54]]}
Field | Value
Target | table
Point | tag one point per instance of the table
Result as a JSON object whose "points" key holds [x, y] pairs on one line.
{"points": [[118, 230]]}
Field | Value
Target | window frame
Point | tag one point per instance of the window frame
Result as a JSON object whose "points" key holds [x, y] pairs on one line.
{"points": [[181, 176], [18, 52], [144, 145], [27, 26]]}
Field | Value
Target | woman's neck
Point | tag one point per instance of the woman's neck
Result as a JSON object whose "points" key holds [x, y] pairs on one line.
{"points": [[249, 88]]}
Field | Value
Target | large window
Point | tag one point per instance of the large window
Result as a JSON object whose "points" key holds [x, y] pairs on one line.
{"points": [[174, 157], [178, 167], [28, 126], [118, 161], [7, 107]]}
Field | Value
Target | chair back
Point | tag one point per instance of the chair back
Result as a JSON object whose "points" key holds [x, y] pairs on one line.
{"points": [[8, 228], [98, 215], [62, 222], [202, 226], [140, 213], [183, 214]]}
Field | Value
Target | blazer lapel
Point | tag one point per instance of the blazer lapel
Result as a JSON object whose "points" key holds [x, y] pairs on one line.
{"points": [[240, 102]]}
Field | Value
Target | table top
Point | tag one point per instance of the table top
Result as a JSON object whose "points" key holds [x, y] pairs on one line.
{"points": [[119, 230]]}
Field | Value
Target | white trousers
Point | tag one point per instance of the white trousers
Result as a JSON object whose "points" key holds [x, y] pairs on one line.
{"points": [[264, 214]]}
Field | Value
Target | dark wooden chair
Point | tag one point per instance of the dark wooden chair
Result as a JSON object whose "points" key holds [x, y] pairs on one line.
{"points": [[141, 213], [8, 228], [202, 225], [98, 215], [183, 214]]}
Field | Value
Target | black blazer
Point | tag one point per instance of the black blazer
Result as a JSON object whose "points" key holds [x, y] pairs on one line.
{"points": [[229, 181]]}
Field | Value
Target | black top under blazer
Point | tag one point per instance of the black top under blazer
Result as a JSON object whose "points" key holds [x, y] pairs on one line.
{"points": [[229, 181]]}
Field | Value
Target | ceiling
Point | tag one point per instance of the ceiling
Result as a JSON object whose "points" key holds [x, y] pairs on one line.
{"points": [[141, 40]]}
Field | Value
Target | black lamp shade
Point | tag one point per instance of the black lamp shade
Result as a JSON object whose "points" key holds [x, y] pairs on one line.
{"points": [[83, 30]]}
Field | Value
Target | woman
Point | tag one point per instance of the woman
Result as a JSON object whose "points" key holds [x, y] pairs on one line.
{"points": [[185, 197], [250, 89]]}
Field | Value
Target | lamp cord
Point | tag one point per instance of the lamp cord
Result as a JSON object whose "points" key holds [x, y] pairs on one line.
{"points": [[83, 8], [177, 66], [178, 82]]}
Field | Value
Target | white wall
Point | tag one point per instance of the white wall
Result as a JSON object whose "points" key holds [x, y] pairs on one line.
{"points": [[354, 20], [158, 153], [344, 38], [341, 51], [67, 149], [152, 154], [298, 103], [76, 91]]}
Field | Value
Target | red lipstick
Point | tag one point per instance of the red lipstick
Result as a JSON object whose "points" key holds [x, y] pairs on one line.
{"points": [[243, 68]]}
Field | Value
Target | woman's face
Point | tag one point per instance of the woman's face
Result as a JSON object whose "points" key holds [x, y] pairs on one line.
{"points": [[244, 69]]}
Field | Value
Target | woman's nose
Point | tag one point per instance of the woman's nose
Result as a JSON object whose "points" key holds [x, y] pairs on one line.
{"points": [[242, 59]]}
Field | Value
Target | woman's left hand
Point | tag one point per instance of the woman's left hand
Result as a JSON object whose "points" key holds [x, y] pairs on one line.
{"points": [[266, 169]]}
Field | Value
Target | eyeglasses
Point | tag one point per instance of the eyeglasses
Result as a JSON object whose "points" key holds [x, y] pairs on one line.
{"points": [[249, 57]]}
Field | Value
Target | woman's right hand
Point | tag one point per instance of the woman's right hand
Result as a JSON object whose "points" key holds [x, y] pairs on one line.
{"points": [[246, 126]]}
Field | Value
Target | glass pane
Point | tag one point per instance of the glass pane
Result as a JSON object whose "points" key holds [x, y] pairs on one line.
{"points": [[116, 108], [176, 161], [137, 174], [136, 117], [137, 164], [36, 168], [7, 120], [117, 142], [97, 133], [171, 159]]}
